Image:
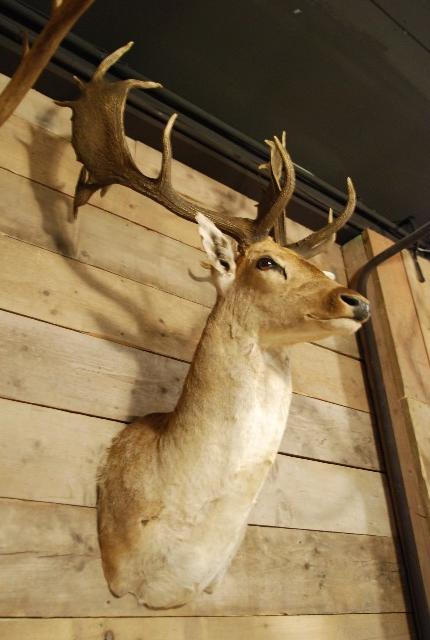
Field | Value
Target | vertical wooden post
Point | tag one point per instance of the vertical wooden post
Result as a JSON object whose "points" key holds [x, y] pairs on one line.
{"points": [[406, 376]]}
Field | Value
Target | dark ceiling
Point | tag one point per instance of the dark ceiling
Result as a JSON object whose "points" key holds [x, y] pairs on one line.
{"points": [[348, 79]]}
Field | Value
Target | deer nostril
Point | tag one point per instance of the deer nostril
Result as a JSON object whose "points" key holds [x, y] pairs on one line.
{"points": [[358, 305], [351, 300]]}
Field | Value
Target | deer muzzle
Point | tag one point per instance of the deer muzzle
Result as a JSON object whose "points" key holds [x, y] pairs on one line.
{"points": [[346, 303]]}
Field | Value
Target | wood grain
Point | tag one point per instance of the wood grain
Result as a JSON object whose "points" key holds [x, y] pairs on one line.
{"points": [[313, 495], [50, 554], [420, 293], [412, 363], [41, 216], [388, 290], [418, 417], [332, 377], [382, 626], [56, 367], [65, 292], [35, 153], [42, 111], [326, 431], [59, 453]]}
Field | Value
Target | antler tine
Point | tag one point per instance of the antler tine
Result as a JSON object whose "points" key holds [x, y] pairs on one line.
{"points": [[316, 242], [239, 228], [266, 221], [165, 176], [110, 60]]}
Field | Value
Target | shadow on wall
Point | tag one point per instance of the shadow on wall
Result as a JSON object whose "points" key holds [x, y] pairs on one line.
{"points": [[64, 233]]}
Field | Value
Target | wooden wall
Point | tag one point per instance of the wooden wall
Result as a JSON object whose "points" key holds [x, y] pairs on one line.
{"points": [[99, 319], [401, 324]]}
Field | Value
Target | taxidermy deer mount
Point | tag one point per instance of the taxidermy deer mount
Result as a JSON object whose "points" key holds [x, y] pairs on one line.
{"points": [[176, 489]]}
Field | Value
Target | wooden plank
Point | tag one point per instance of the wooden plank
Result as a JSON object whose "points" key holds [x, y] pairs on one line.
{"points": [[324, 431], [380, 626], [418, 416], [42, 111], [59, 453], [49, 553], [50, 455], [420, 293], [341, 344], [56, 367], [412, 366], [41, 216], [333, 377], [313, 495], [65, 292], [391, 337]]}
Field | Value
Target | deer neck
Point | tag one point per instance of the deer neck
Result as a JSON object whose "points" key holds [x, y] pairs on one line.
{"points": [[236, 392]]}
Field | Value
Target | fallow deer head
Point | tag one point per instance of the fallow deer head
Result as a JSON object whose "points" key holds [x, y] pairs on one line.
{"points": [[308, 302]]}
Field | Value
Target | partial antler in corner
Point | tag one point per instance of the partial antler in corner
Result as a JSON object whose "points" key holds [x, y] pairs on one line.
{"points": [[64, 15]]}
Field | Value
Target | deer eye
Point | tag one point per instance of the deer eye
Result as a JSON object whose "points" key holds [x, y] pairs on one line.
{"points": [[225, 265], [266, 262]]}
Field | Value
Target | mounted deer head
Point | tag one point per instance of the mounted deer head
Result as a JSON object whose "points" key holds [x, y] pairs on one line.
{"points": [[176, 489]]}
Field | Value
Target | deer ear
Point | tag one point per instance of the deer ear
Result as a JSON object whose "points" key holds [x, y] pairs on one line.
{"points": [[218, 247]]}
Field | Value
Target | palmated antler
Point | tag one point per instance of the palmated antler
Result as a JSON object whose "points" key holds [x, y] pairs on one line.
{"points": [[98, 138], [34, 59]]}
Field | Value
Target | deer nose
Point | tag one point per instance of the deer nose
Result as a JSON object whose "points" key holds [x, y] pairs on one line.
{"points": [[357, 304]]}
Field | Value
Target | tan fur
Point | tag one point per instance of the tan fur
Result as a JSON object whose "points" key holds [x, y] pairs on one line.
{"points": [[176, 489]]}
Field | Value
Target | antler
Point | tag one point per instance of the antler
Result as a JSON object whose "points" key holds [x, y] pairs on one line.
{"points": [[99, 140], [64, 15], [275, 167], [318, 241]]}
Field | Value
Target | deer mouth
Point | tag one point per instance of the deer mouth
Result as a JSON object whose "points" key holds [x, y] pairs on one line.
{"points": [[354, 321]]}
